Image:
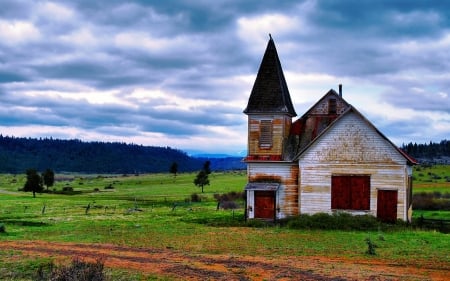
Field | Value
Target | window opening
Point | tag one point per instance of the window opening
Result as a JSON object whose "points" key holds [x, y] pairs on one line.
{"points": [[332, 106], [265, 136]]}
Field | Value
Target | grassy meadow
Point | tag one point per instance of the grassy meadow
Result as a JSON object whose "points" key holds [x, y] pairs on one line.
{"points": [[432, 179], [155, 211]]}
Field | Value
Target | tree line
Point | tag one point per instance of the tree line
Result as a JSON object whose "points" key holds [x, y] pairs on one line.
{"points": [[20, 154], [428, 150]]}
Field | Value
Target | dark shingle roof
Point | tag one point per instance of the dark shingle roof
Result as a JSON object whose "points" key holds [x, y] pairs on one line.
{"points": [[270, 93]]}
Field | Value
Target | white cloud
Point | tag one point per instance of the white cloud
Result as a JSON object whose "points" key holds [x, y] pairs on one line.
{"points": [[168, 46], [82, 38], [422, 47], [18, 32], [255, 30], [146, 71]]}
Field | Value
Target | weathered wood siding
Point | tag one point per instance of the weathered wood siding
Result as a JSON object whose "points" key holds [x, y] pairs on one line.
{"points": [[351, 147], [280, 172], [321, 108], [280, 130]]}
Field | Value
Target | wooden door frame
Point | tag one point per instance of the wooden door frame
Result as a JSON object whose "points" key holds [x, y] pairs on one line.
{"points": [[348, 186], [274, 196], [379, 214]]}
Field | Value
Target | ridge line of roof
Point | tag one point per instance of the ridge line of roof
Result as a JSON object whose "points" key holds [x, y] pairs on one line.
{"points": [[410, 159]]}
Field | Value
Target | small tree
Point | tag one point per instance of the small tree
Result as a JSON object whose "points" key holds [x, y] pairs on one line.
{"points": [[206, 167], [202, 179], [34, 182], [174, 169], [49, 178]]}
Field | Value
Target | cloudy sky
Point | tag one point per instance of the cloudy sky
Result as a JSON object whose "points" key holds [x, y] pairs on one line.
{"points": [[179, 73]]}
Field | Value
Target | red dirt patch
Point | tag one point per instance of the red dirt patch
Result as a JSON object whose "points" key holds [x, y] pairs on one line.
{"points": [[189, 266]]}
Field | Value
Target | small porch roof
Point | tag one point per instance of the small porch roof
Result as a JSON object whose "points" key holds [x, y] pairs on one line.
{"points": [[265, 186]]}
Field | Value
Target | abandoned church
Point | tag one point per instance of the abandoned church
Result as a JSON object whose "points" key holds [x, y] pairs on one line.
{"points": [[331, 159]]}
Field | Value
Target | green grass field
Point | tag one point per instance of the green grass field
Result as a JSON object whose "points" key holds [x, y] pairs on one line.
{"points": [[431, 178], [155, 211]]}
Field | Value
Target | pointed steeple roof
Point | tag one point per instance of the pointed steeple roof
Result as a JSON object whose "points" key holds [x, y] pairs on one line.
{"points": [[270, 93]]}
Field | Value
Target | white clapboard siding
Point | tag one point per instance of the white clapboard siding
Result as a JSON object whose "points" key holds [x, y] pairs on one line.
{"points": [[285, 173], [351, 146], [280, 129]]}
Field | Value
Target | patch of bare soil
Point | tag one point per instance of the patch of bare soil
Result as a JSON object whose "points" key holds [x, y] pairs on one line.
{"points": [[189, 266]]}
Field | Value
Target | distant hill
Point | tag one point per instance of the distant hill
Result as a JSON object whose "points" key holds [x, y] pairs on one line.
{"points": [[225, 163], [19, 154]]}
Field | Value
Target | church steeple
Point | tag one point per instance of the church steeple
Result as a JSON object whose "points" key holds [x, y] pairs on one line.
{"points": [[270, 93]]}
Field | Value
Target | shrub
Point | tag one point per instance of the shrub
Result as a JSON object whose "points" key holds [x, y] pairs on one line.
{"points": [[109, 186], [432, 201], [195, 197], [370, 247], [230, 196], [229, 205], [67, 189], [79, 270], [2, 228], [340, 221], [258, 223]]}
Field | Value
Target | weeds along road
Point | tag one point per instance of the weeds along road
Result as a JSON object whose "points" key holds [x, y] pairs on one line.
{"points": [[196, 266]]}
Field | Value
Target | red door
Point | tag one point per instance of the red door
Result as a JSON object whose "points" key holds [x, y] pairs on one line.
{"points": [[264, 204], [350, 192], [387, 205]]}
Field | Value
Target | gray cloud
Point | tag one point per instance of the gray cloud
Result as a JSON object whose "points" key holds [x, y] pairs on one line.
{"points": [[185, 68]]}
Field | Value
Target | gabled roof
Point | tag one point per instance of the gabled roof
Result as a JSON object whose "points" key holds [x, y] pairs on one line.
{"points": [[410, 160], [330, 94], [305, 129], [270, 93]]}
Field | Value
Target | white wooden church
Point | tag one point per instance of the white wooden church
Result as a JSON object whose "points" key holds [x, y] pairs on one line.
{"points": [[331, 159]]}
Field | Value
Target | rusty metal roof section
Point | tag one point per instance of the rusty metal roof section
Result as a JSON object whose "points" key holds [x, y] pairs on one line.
{"points": [[262, 186], [319, 117], [270, 93]]}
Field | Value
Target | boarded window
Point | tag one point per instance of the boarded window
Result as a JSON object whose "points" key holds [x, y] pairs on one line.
{"points": [[331, 106], [350, 192], [265, 134]]}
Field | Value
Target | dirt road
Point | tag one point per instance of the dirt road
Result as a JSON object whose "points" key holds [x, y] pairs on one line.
{"points": [[189, 266]]}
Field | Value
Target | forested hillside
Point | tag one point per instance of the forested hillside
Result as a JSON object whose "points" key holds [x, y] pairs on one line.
{"points": [[225, 163], [20, 154], [431, 152]]}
